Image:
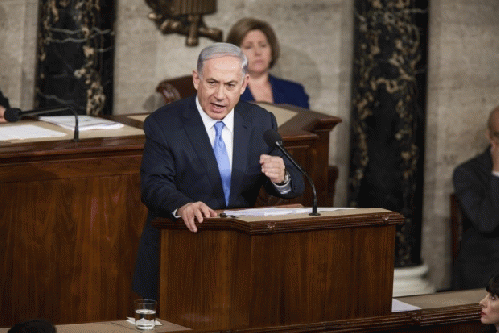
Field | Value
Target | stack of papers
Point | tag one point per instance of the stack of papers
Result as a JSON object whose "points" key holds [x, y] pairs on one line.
{"points": [[275, 211], [398, 306], [23, 132], [84, 122]]}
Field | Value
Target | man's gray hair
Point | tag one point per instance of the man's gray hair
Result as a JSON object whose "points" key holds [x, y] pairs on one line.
{"points": [[219, 50]]}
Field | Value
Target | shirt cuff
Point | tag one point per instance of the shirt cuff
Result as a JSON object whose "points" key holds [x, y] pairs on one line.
{"points": [[495, 173], [285, 187]]}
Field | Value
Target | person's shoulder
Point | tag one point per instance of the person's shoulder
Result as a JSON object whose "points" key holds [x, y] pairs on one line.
{"points": [[253, 113], [173, 110], [286, 84], [479, 159], [289, 92], [251, 108], [4, 101], [480, 163]]}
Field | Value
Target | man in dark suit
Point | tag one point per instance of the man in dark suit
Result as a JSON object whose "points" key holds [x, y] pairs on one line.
{"points": [[476, 185], [193, 164]]}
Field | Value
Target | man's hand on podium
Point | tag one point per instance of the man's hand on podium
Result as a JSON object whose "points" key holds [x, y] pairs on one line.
{"points": [[193, 211]]}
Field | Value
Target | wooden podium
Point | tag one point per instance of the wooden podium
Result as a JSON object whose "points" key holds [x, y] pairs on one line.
{"points": [[71, 219], [256, 272]]}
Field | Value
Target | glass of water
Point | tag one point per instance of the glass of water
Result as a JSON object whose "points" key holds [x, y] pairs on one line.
{"points": [[145, 314]]}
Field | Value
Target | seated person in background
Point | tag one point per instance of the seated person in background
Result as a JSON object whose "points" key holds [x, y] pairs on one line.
{"points": [[207, 152], [259, 43], [490, 304], [4, 104], [476, 185]]}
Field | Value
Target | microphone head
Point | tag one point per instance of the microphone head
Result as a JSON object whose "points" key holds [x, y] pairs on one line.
{"points": [[272, 138], [12, 115]]}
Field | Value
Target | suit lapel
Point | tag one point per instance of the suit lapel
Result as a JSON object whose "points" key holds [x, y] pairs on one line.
{"points": [[196, 133], [242, 133]]}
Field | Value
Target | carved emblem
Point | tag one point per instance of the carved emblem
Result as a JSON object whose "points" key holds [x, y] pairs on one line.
{"points": [[184, 17]]}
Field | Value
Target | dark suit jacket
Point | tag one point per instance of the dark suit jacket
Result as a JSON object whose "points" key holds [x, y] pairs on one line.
{"points": [[478, 193], [283, 92], [4, 101], [179, 166]]}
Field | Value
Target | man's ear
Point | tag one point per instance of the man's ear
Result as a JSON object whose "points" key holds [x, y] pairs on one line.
{"points": [[488, 135], [245, 83], [195, 79]]}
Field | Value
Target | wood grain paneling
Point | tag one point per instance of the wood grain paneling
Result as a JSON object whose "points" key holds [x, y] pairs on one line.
{"points": [[234, 273], [70, 224]]}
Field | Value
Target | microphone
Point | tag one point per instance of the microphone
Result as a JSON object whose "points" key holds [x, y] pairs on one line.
{"points": [[273, 139], [14, 114]]}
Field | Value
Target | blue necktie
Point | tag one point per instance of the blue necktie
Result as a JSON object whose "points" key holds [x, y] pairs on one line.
{"points": [[222, 159]]}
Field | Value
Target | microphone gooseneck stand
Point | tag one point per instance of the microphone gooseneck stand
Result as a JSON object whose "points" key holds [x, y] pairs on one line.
{"points": [[273, 139]]}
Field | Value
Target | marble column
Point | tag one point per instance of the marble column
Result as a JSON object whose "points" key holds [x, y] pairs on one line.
{"points": [[388, 115], [76, 55]]}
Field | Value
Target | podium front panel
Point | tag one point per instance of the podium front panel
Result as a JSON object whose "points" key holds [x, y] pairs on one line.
{"points": [[220, 279]]}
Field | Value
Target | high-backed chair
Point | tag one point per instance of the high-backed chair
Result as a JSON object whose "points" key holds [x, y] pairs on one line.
{"points": [[176, 88]]}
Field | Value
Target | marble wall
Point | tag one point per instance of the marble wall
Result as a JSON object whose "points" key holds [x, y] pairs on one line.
{"points": [[316, 38], [18, 28], [463, 87]]}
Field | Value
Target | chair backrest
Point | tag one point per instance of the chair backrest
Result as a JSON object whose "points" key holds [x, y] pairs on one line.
{"points": [[456, 225], [176, 88]]}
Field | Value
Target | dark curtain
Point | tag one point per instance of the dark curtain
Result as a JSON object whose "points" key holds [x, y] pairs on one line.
{"points": [[388, 115]]}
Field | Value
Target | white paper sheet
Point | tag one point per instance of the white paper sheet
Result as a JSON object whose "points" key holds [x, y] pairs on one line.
{"points": [[132, 321], [398, 306], [276, 211], [85, 123], [22, 132]]}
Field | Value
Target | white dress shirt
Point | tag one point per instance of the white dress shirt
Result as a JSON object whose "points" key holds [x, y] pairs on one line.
{"points": [[227, 131]]}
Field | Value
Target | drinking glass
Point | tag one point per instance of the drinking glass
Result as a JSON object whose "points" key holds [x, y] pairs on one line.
{"points": [[145, 314]]}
